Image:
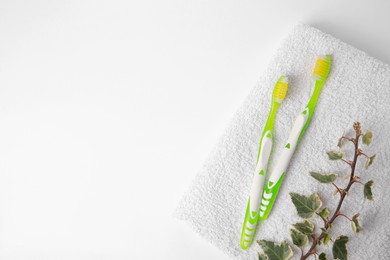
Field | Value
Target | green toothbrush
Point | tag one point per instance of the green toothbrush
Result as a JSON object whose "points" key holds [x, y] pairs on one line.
{"points": [[252, 209], [271, 188]]}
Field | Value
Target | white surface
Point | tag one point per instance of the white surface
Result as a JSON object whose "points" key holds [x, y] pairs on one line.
{"points": [[96, 97]]}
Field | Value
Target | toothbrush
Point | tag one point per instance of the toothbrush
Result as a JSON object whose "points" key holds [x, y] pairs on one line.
{"points": [[252, 209], [320, 74]]}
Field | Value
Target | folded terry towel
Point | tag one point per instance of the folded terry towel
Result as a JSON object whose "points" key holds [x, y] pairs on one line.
{"points": [[358, 89]]}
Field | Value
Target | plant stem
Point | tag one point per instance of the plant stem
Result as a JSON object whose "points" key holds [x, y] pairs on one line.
{"points": [[347, 162], [338, 189], [343, 193], [345, 216]]}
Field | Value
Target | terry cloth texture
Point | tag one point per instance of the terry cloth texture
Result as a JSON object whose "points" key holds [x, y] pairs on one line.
{"points": [[358, 89]]}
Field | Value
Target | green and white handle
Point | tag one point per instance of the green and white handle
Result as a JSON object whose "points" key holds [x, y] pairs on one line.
{"points": [[271, 189], [252, 209], [265, 147]]}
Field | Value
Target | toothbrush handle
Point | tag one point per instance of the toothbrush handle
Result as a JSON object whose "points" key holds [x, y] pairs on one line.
{"points": [[271, 188], [252, 209]]}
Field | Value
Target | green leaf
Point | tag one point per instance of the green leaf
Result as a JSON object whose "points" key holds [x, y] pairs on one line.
{"points": [[368, 190], [369, 161], [340, 142], [334, 155], [327, 237], [306, 206], [299, 239], [355, 224], [367, 138], [275, 251], [339, 249], [324, 178], [324, 212], [305, 227], [263, 257], [322, 256]]}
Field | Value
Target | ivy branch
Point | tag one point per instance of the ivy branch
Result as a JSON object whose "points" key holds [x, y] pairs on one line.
{"points": [[303, 234]]}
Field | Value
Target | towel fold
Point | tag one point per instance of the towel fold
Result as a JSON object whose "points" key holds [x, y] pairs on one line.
{"points": [[358, 89]]}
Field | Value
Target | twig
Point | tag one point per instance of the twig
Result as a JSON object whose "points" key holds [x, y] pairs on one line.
{"points": [[347, 162], [340, 214], [347, 138], [342, 192]]}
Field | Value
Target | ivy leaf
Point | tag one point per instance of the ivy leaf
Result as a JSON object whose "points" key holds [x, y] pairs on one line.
{"points": [[334, 155], [263, 257], [369, 161], [299, 239], [305, 227], [324, 178], [324, 212], [367, 138], [322, 256], [306, 206], [274, 251], [327, 238], [355, 224], [340, 142], [367, 190], [339, 249]]}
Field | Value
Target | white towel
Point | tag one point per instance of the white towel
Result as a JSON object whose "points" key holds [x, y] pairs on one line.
{"points": [[358, 88]]}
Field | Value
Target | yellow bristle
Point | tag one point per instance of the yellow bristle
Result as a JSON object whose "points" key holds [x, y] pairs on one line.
{"points": [[322, 67], [281, 87]]}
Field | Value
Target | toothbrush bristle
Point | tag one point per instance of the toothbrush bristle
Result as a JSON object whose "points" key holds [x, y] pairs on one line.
{"points": [[322, 68], [281, 87]]}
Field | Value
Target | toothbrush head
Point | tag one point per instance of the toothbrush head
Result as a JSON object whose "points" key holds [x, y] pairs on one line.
{"points": [[280, 90], [322, 68]]}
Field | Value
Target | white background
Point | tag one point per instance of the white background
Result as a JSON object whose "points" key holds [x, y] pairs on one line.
{"points": [[108, 108]]}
